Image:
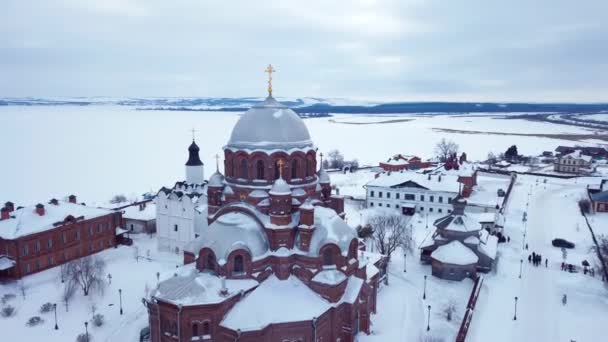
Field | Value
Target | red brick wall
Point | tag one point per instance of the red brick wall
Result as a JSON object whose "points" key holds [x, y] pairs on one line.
{"points": [[59, 252]]}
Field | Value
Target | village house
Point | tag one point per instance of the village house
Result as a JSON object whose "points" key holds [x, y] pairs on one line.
{"points": [[42, 236], [599, 197], [573, 162], [400, 162], [140, 217]]}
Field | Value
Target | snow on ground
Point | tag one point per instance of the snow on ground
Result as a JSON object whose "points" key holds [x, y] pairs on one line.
{"points": [[122, 150], [552, 212], [351, 184], [127, 274]]}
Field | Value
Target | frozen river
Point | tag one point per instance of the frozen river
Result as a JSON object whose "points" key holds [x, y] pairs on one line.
{"points": [[102, 150]]}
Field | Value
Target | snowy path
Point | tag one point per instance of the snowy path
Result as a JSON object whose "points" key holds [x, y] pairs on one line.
{"points": [[552, 213]]}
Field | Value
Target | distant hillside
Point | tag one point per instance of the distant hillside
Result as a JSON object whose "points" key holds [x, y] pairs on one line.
{"points": [[316, 106]]}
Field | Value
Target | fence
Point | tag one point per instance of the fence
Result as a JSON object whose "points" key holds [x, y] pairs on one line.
{"points": [[470, 309]]}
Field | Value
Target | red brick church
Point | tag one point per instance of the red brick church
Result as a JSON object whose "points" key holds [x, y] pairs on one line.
{"points": [[277, 262]]}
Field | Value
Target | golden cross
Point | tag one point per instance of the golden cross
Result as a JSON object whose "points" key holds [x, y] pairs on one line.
{"points": [[280, 163], [270, 70], [193, 131], [321, 159], [217, 162]]}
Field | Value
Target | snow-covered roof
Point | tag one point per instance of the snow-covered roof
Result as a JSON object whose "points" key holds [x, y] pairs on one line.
{"points": [[578, 154], [266, 305], [280, 187], [26, 221], [297, 192], [395, 162], [474, 240], [330, 228], [489, 247], [229, 232], [196, 288], [329, 277], [353, 288], [216, 179], [6, 263], [457, 223], [134, 212], [269, 125], [405, 179], [257, 193], [486, 217], [455, 253]]}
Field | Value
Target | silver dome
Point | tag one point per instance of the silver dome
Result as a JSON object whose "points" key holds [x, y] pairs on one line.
{"points": [[269, 125]]}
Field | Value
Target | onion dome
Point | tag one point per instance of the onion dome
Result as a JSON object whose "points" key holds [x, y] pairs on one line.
{"points": [[193, 158], [270, 125], [280, 187], [216, 180]]}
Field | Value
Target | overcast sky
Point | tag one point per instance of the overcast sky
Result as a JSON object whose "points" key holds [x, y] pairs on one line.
{"points": [[407, 50]]}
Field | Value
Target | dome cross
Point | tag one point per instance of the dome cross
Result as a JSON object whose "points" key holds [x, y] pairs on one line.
{"points": [[217, 162], [269, 70]]}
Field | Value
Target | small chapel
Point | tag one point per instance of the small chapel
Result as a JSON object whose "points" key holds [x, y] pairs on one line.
{"points": [[277, 261]]}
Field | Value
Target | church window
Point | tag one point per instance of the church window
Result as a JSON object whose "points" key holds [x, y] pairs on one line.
{"points": [[371, 204], [410, 197], [259, 166], [388, 194], [244, 173], [431, 198], [328, 257], [440, 199], [431, 209], [308, 167], [380, 194], [294, 168], [194, 329], [206, 328], [397, 195], [91, 230], [49, 244], [276, 170], [371, 193], [421, 198], [210, 262], [238, 264], [175, 227], [379, 204]]}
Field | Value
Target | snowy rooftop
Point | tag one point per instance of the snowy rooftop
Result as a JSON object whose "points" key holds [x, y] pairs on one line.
{"points": [[329, 277], [135, 213], [196, 288], [26, 221], [489, 247], [578, 154], [330, 228], [447, 183], [455, 253], [266, 305], [230, 232], [457, 223], [270, 125]]}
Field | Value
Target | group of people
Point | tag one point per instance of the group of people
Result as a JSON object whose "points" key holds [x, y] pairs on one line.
{"points": [[537, 259]]}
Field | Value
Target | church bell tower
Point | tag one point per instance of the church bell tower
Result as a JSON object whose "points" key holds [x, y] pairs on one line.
{"points": [[195, 174]]}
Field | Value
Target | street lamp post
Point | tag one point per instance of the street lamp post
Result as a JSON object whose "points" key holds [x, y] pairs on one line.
{"points": [[427, 221], [521, 263], [428, 324], [109, 279], [404, 262], [515, 314], [424, 292], [120, 298], [55, 309], [86, 330]]}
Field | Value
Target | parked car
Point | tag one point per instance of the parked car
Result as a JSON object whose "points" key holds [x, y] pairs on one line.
{"points": [[501, 193], [562, 243], [144, 334]]}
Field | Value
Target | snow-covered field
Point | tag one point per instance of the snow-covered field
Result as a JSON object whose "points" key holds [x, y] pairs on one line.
{"points": [[98, 151]]}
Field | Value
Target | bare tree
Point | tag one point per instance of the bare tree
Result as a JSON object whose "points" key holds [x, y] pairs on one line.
{"points": [[87, 273], [336, 159], [389, 231], [69, 288], [118, 199], [602, 254], [445, 148]]}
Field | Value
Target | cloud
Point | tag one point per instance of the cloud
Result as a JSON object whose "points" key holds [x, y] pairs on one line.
{"points": [[390, 50]]}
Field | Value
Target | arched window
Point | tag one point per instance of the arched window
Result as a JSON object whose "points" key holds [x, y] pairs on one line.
{"points": [[210, 262], [276, 170], [307, 167], [328, 257], [206, 328], [194, 330], [238, 264], [244, 173], [259, 167], [294, 169]]}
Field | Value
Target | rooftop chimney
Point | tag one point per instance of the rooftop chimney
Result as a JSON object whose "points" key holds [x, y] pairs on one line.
{"points": [[4, 213], [439, 178], [54, 201], [224, 289], [10, 206], [72, 198], [40, 209]]}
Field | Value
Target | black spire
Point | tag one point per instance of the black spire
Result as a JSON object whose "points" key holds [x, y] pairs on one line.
{"points": [[193, 158]]}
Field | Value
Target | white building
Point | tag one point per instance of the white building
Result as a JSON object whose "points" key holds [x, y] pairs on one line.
{"points": [[181, 211], [575, 162], [411, 191]]}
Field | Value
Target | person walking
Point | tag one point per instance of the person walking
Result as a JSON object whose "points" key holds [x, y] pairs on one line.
{"points": [[564, 299], [529, 258], [526, 246], [546, 262]]}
